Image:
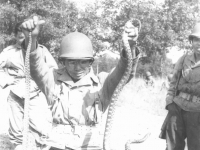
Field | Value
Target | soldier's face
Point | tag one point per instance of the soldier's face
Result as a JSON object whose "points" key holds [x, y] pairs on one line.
{"points": [[77, 68], [20, 37], [196, 45]]}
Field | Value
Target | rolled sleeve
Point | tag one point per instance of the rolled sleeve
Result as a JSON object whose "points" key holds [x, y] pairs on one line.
{"points": [[113, 78]]}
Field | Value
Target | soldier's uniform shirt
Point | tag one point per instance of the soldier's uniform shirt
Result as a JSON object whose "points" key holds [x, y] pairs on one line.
{"points": [[189, 85], [82, 103], [182, 120], [12, 61]]}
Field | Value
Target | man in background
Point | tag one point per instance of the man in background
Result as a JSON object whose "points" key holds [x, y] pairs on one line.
{"points": [[12, 61], [183, 100]]}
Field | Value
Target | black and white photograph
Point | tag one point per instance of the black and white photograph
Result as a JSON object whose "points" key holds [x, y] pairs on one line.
{"points": [[99, 74]]}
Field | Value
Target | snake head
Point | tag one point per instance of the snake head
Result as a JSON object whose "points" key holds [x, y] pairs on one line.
{"points": [[131, 32], [132, 28]]}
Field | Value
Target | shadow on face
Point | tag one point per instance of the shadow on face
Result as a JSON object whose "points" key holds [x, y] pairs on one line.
{"points": [[19, 37]]}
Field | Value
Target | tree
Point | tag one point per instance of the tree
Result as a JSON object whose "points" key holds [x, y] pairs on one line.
{"points": [[58, 14], [163, 25]]}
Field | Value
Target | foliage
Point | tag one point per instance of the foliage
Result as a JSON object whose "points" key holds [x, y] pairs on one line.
{"points": [[163, 25], [101, 64]]}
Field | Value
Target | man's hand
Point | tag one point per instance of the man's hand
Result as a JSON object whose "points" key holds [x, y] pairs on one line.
{"points": [[172, 107], [32, 25]]}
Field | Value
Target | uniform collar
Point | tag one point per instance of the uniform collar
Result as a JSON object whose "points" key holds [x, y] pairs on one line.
{"points": [[89, 79]]}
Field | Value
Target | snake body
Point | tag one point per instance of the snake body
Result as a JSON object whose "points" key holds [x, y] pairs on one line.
{"points": [[28, 141], [116, 102]]}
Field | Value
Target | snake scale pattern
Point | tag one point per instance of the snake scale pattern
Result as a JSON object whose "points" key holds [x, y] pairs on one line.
{"points": [[115, 98], [116, 102], [28, 140]]}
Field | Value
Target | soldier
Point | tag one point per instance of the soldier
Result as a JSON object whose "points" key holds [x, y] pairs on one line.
{"points": [[149, 79], [12, 61], [77, 97], [183, 100]]}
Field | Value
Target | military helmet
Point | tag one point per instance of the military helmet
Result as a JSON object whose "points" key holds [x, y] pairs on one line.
{"points": [[76, 45], [195, 32]]}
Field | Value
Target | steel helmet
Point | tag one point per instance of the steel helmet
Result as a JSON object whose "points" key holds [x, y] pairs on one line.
{"points": [[76, 45], [195, 32]]}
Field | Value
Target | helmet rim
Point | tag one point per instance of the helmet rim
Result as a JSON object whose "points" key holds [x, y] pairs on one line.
{"points": [[194, 36]]}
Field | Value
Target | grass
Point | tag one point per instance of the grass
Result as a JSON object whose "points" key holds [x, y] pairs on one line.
{"points": [[142, 111], [147, 98]]}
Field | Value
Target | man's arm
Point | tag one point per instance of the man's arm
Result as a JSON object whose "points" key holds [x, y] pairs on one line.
{"points": [[129, 36], [174, 81], [43, 73], [112, 80], [40, 71]]}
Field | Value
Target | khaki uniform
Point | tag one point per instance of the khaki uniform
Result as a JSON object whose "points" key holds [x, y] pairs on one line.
{"points": [[183, 121], [188, 97], [80, 105], [12, 61]]}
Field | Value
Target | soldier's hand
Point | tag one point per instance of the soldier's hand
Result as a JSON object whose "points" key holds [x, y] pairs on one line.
{"points": [[172, 107], [32, 25]]}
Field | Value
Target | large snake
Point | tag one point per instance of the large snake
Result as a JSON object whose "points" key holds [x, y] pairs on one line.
{"points": [[109, 133]]}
